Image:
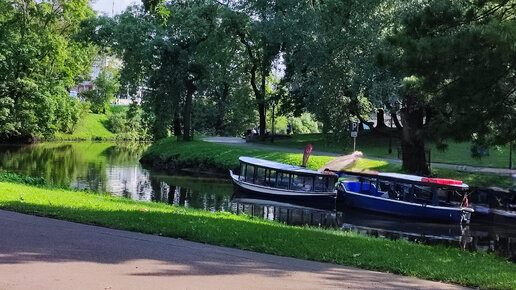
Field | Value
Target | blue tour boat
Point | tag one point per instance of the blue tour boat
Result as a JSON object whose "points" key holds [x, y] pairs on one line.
{"points": [[411, 196]]}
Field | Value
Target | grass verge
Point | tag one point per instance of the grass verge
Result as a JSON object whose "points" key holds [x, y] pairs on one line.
{"points": [[250, 233]]}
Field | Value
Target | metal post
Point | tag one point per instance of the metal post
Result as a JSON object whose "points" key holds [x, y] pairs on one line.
{"points": [[354, 144], [272, 137], [390, 139], [510, 155]]}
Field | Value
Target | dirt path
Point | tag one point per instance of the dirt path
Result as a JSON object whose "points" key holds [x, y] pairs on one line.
{"points": [[42, 253]]}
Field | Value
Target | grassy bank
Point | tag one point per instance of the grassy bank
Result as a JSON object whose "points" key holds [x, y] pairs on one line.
{"points": [[218, 156], [90, 127], [246, 232], [377, 146], [224, 157]]}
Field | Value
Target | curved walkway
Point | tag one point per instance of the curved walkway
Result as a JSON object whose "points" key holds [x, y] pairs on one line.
{"points": [[43, 253], [474, 169]]}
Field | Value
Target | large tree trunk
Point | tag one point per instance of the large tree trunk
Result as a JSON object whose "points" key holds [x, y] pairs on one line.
{"points": [[412, 138], [380, 119], [177, 125], [187, 118]]}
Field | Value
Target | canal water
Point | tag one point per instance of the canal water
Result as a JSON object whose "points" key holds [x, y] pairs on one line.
{"points": [[115, 168]]}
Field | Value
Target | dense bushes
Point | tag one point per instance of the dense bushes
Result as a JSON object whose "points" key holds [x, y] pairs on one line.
{"points": [[22, 179], [128, 124]]}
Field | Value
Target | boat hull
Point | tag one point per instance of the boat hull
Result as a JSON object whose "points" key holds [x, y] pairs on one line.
{"points": [[283, 194], [404, 209]]}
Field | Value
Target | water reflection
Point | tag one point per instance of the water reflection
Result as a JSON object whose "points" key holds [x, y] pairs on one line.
{"points": [[114, 168], [474, 237], [111, 167]]}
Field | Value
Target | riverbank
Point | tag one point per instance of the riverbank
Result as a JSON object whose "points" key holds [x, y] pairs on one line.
{"points": [[168, 154], [250, 233], [172, 155]]}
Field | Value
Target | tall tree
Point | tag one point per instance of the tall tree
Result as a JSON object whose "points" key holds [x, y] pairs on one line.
{"points": [[174, 57], [39, 61], [255, 24], [458, 62], [330, 59]]}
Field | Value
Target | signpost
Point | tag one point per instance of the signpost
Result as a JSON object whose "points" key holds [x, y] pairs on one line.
{"points": [[354, 134]]}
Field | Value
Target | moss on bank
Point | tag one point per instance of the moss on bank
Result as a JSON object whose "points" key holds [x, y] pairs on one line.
{"points": [[250, 233]]}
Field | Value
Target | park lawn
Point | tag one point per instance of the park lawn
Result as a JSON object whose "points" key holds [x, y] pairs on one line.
{"points": [[250, 233], [90, 127], [200, 154], [377, 146], [218, 156]]}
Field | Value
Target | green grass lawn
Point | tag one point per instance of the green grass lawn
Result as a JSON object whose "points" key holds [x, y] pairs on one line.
{"points": [[377, 146], [251, 233], [90, 127], [114, 109], [224, 157]]}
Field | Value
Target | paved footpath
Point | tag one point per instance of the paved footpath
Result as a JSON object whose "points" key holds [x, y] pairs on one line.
{"points": [[241, 142], [43, 253]]}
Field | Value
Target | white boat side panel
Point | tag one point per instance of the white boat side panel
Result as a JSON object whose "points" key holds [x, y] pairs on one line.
{"points": [[275, 191]]}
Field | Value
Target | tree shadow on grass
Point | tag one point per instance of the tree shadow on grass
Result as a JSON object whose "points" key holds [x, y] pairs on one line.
{"points": [[33, 239]]}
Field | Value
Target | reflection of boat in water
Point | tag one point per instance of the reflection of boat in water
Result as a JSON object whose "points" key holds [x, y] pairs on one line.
{"points": [[473, 237], [393, 227], [405, 195], [291, 212], [269, 178], [494, 205]]}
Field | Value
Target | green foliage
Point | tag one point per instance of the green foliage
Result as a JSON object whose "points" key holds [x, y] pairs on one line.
{"points": [[249, 233], [22, 179], [106, 86], [117, 122], [462, 55], [39, 61], [128, 123], [330, 58], [118, 109]]}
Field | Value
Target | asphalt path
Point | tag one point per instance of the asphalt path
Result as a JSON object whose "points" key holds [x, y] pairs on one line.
{"points": [[43, 253], [234, 141]]}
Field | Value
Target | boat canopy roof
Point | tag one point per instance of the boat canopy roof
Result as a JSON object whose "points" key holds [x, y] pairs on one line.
{"points": [[420, 180], [278, 166]]}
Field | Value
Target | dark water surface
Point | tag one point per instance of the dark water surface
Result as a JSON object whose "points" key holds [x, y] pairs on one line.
{"points": [[112, 167]]}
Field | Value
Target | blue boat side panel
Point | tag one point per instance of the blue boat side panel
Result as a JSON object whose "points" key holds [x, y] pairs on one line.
{"points": [[354, 186], [412, 210]]}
